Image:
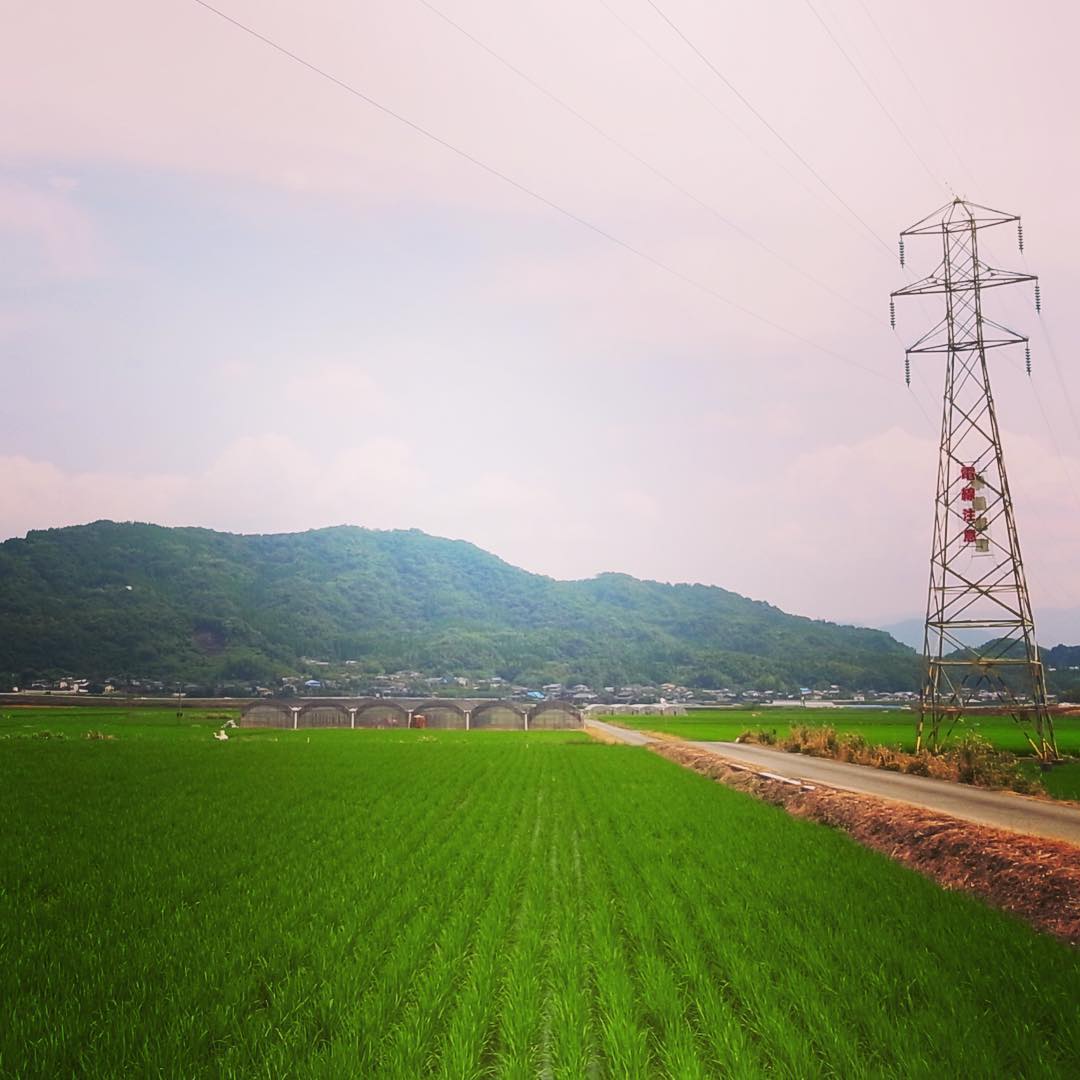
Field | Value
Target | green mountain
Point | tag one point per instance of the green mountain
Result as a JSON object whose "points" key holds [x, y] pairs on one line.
{"points": [[111, 599]]}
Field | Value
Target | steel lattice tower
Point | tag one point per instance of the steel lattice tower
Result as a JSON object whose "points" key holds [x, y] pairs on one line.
{"points": [[979, 647]]}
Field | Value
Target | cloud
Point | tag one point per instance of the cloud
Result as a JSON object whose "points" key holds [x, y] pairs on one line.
{"points": [[848, 527], [15, 321], [502, 492], [837, 531], [36, 493], [62, 240], [637, 505], [212, 99], [334, 387], [260, 483], [419, 344]]}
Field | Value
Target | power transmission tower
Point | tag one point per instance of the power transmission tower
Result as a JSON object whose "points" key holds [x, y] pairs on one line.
{"points": [[979, 647]]}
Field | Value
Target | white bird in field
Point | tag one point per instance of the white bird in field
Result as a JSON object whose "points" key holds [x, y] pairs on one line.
{"points": [[221, 736]]}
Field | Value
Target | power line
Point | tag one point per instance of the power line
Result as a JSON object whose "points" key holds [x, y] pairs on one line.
{"points": [[1060, 376], [813, 190], [918, 400], [810, 189], [915, 87], [870, 90], [1008, 299], [753, 108], [911, 389], [1065, 470], [1062, 460], [533, 194], [1043, 325], [1041, 320], [645, 163]]}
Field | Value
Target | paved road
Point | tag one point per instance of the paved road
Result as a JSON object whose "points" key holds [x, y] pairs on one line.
{"points": [[1002, 810], [620, 734]]}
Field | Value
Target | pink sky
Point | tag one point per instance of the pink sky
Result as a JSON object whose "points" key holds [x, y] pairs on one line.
{"points": [[237, 296]]}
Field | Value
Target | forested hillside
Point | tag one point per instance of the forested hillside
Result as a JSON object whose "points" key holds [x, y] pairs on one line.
{"points": [[182, 603]]}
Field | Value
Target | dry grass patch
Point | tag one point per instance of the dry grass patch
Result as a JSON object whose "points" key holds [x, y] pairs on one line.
{"points": [[971, 760]]}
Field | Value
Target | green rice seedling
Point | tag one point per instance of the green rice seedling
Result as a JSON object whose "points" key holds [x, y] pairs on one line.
{"points": [[476, 904], [571, 1051]]}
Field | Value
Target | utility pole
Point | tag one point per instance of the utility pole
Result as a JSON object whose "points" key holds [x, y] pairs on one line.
{"points": [[979, 649]]}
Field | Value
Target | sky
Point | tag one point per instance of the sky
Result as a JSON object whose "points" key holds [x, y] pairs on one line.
{"points": [[634, 317]]}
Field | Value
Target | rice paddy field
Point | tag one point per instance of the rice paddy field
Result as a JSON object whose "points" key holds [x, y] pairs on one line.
{"points": [[1062, 782], [473, 904], [887, 727]]}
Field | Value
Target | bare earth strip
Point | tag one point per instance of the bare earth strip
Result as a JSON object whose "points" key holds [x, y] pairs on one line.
{"points": [[1035, 878]]}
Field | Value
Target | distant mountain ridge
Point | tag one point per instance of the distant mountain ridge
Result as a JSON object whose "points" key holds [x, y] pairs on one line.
{"points": [[1060, 662], [1057, 625], [188, 603]]}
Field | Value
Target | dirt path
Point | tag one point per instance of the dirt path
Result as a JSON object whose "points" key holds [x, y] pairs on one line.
{"points": [[997, 809]]}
